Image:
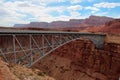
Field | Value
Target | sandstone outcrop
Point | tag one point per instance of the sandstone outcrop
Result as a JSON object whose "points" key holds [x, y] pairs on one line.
{"points": [[79, 60]]}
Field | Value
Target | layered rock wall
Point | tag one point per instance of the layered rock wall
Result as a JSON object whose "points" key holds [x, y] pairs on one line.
{"points": [[80, 56]]}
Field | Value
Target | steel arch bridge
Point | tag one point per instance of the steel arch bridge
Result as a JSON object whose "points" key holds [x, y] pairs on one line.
{"points": [[27, 47]]}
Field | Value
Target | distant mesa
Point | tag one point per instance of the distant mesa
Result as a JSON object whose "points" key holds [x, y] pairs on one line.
{"points": [[97, 20], [38, 24], [91, 21], [20, 25], [109, 27]]}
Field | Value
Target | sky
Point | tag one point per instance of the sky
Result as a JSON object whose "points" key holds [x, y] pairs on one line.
{"points": [[26, 11]]}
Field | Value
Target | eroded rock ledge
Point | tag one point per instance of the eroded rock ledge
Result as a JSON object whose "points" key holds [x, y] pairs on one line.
{"points": [[79, 60]]}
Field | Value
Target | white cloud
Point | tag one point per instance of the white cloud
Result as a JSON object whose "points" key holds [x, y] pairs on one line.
{"points": [[75, 1], [26, 11], [93, 9], [106, 5], [3, 12], [96, 7], [9, 21], [90, 0], [59, 9], [76, 7], [45, 2], [23, 4], [75, 14]]}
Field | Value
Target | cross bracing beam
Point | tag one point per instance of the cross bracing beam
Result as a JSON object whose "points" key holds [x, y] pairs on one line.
{"points": [[28, 47]]}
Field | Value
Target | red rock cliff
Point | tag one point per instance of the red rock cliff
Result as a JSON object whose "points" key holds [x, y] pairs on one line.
{"points": [[79, 60]]}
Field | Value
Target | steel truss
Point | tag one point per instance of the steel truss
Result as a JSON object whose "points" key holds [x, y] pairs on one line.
{"points": [[35, 48], [27, 49]]}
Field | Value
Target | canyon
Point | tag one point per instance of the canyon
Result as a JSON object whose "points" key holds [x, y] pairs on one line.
{"points": [[80, 60], [77, 60]]}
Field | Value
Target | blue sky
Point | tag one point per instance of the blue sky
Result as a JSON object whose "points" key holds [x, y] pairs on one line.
{"points": [[25, 11]]}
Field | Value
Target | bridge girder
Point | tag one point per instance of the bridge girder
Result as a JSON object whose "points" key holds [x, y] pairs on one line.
{"points": [[27, 49]]}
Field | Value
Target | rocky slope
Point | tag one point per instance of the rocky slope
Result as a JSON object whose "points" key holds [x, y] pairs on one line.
{"points": [[79, 60], [17, 72]]}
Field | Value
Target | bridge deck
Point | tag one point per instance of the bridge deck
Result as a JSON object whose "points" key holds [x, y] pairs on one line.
{"points": [[45, 32]]}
